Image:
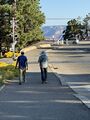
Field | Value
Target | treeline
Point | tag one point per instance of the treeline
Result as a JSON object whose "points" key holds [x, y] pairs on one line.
{"points": [[28, 21], [78, 27]]}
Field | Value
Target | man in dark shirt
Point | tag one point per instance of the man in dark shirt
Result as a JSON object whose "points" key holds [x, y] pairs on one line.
{"points": [[22, 65]]}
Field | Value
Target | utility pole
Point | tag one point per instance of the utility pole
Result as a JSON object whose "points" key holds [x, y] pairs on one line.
{"points": [[13, 26]]}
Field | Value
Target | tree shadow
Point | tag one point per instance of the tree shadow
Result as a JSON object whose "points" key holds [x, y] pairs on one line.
{"points": [[76, 79]]}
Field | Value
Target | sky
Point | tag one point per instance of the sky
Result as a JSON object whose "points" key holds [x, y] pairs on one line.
{"points": [[64, 10]]}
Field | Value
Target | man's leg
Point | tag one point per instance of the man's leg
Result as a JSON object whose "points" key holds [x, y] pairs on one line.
{"points": [[24, 74], [20, 76], [45, 74], [42, 75]]}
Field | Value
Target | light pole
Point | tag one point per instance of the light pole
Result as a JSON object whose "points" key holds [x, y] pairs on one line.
{"points": [[13, 27]]}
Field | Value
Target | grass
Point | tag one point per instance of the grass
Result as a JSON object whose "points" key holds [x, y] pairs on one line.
{"points": [[8, 73]]}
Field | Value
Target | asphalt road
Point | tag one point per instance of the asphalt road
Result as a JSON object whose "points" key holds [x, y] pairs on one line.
{"points": [[72, 63], [36, 101]]}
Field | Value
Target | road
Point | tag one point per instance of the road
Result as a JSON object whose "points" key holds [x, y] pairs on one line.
{"points": [[72, 63], [71, 59]]}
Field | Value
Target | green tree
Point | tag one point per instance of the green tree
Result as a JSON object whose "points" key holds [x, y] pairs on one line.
{"points": [[73, 28], [5, 30], [30, 19]]}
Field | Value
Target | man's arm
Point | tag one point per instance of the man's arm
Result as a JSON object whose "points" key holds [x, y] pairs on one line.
{"points": [[26, 64], [16, 63]]}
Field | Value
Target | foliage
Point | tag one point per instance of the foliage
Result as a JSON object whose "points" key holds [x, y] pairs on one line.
{"points": [[73, 28], [30, 18], [5, 17], [77, 27], [9, 54], [3, 64], [8, 72], [28, 21]]}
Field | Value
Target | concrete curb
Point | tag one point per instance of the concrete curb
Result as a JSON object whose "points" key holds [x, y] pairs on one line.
{"points": [[2, 87], [42, 46], [79, 95], [83, 99], [61, 80], [29, 48]]}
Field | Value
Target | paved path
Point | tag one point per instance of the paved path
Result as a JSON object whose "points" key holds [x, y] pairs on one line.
{"points": [[35, 101]]}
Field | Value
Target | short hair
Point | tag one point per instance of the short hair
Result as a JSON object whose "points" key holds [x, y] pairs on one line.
{"points": [[22, 52]]}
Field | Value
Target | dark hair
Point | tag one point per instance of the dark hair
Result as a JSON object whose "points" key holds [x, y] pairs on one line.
{"points": [[22, 52]]}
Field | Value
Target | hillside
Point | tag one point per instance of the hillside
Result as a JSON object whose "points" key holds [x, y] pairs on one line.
{"points": [[56, 31]]}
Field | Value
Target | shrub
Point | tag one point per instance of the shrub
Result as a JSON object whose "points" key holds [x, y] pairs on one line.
{"points": [[8, 75], [3, 64], [17, 54], [8, 72], [1, 79], [9, 54]]}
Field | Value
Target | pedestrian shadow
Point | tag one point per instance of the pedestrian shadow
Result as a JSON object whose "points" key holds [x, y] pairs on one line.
{"points": [[34, 79]]}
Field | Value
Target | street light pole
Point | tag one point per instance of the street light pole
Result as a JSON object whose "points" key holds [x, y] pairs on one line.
{"points": [[13, 26]]}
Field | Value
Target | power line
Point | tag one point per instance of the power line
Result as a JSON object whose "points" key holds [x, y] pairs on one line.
{"points": [[60, 18]]}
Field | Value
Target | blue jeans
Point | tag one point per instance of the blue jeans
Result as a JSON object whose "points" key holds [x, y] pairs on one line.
{"points": [[44, 74]]}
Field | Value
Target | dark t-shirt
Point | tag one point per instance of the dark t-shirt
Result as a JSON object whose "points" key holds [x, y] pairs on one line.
{"points": [[22, 60]]}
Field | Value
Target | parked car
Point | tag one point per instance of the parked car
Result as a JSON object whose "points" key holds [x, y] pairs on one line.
{"points": [[72, 40]]}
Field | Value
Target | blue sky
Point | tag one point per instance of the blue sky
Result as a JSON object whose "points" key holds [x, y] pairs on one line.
{"points": [[64, 9]]}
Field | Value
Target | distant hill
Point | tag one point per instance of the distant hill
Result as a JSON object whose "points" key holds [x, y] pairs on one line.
{"points": [[56, 31]]}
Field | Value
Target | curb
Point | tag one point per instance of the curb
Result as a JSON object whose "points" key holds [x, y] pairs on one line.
{"points": [[29, 48], [2, 87], [83, 99], [61, 80], [42, 46]]}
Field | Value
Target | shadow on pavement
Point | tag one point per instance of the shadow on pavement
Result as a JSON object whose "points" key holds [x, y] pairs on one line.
{"points": [[77, 79]]}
